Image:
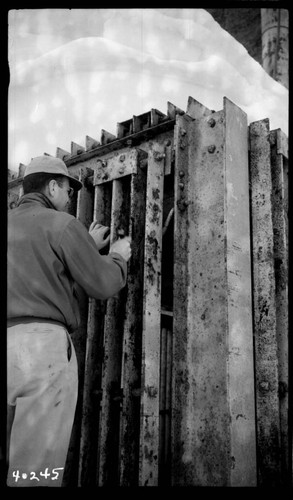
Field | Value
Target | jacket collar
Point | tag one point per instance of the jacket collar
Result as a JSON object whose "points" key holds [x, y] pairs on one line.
{"points": [[36, 199]]}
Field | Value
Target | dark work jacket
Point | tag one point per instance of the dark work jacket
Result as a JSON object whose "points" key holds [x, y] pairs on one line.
{"points": [[48, 252]]}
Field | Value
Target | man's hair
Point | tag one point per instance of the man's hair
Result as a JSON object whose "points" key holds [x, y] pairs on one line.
{"points": [[36, 183]]}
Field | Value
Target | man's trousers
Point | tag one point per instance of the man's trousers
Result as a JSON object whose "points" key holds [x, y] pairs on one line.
{"points": [[42, 383]]}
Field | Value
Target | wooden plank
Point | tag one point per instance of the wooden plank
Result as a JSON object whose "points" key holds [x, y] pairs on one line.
{"points": [[149, 439], [264, 289], [280, 220], [113, 339], [92, 392], [131, 379]]}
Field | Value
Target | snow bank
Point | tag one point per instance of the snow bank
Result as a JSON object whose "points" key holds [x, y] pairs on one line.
{"points": [[74, 72]]}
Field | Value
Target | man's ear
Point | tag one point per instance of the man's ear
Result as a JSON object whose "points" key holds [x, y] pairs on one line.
{"points": [[50, 188]]}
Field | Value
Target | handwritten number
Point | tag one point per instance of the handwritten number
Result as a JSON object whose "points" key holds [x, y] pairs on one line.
{"points": [[45, 474], [34, 476], [15, 474], [57, 473]]}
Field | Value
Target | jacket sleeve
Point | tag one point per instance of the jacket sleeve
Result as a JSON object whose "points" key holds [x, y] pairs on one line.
{"points": [[101, 276]]}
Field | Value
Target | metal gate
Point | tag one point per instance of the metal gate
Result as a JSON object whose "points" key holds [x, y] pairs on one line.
{"points": [[183, 376]]}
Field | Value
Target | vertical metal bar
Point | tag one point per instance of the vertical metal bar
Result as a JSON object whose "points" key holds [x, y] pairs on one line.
{"points": [[212, 435], [93, 363], [200, 418], [266, 358], [129, 441], [168, 406], [85, 200], [163, 369], [113, 339], [149, 438], [84, 213], [241, 394], [279, 220]]}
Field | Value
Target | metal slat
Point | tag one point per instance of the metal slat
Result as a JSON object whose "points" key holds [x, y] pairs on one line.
{"points": [[93, 364], [279, 219], [84, 211], [113, 339], [241, 396], [149, 438], [163, 370], [200, 420], [266, 358], [168, 404], [195, 109], [208, 431], [131, 368], [116, 166]]}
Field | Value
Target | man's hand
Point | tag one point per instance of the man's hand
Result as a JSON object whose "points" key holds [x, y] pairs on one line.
{"points": [[123, 247], [98, 232]]}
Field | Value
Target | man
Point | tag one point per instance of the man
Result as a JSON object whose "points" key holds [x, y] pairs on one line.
{"points": [[49, 251]]}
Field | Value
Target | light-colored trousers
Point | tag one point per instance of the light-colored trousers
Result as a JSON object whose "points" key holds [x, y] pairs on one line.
{"points": [[42, 384]]}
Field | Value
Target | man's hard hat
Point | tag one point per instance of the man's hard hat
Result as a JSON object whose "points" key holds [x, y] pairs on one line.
{"points": [[51, 165]]}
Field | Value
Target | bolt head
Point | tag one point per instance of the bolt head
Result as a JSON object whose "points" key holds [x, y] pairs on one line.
{"points": [[212, 122]]}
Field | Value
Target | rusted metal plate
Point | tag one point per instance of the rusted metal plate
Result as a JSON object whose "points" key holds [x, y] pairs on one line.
{"points": [[92, 393], [132, 339], [264, 289], [117, 165], [195, 109], [212, 415], [113, 340], [76, 149], [91, 143], [279, 219], [200, 418], [62, 154], [282, 143], [149, 438], [241, 397]]}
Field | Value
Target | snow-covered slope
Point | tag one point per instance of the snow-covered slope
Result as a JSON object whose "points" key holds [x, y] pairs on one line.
{"points": [[75, 72]]}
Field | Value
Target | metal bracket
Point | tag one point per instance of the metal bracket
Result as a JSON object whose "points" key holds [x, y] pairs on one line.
{"points": [[117, 165]]}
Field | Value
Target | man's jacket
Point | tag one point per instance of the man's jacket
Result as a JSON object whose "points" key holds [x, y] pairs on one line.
{"points": [[48, 252]]}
